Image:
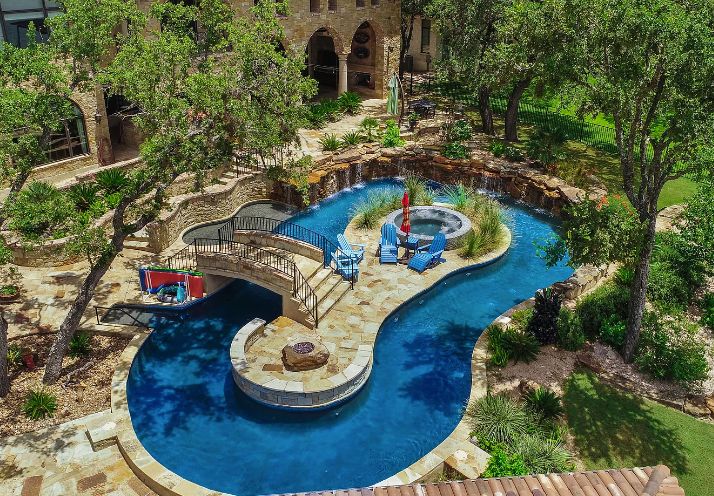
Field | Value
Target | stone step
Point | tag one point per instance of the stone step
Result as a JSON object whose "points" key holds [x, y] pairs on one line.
{"points": [[137, 237], [328, 287], [320, 277], [335, 296], [138, 246]]}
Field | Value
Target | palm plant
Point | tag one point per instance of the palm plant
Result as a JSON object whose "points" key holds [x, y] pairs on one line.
{"points": [[83, 195], [350, 102], [544, 403], [498, 418], [369, 128], [112, 180], [330, 143], [351, 138]]}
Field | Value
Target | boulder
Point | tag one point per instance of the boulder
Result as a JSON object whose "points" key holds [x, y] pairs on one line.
{"points": [[304, 354], [697, 406]]}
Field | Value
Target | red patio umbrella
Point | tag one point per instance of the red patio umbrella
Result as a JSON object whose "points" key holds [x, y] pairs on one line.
{"points": [[406, 227]]}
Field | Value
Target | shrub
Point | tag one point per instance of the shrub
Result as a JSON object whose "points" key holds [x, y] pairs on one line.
{"points": [[546, 145], [330, 143], [39, 404], [111, 180], [84, 195], [377, 204], [708, 310], [666, 287], [351, 138], [455, 150], [613, 331], [544, 324], [624, 276], [350, 102], [419, 191], [391, 138], [609, 299], [513, 154], [319, 113], [40, 210], [14, 354], [460, 131], [570, 331], [669, 349], [542, 455], [8, 290], [369, 128], [544, 403], [521, 346], [498, 148], [80, 344], [503, 464], [688, 261], [498, 418], [520, 318]]}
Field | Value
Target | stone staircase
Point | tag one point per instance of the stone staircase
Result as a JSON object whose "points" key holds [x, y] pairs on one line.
{"points": [[139, 241], [329, 288]]}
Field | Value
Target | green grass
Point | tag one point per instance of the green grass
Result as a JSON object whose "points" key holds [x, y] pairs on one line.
{"points": [[614, 429]]}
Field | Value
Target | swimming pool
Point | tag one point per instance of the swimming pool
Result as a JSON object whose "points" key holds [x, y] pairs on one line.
{"points": [[190, 416]]}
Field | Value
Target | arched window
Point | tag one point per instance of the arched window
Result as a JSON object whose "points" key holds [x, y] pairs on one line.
{"points": [[71, 139]]}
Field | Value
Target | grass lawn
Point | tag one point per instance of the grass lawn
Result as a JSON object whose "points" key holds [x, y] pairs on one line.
{"points": [[614, 429]]}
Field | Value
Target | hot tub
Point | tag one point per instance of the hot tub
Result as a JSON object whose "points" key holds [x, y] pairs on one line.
{"points": [[426, 221]]}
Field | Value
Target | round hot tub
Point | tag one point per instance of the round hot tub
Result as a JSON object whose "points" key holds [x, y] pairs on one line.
{"points": [[426, 221]]}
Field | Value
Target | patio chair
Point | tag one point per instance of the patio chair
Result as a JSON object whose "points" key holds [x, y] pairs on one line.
{"points": [[348, 249], [429, 255], [389, 244]]}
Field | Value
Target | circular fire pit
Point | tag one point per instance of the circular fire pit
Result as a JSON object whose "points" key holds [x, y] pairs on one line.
{"points": [[426, 221], [304, 354]]}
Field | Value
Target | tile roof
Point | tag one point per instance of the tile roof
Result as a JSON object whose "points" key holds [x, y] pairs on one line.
{"points": [[646, 481]]}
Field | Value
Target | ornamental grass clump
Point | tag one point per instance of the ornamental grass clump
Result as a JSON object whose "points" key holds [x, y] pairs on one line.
{"points": [[330, 143], [39, 404], [487, 233], [419, 191], [498, 418], [519, 440], [377, 204], [80, 345]]}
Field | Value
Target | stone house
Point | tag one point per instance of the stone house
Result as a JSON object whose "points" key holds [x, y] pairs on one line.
{"points": [[349, 45]]}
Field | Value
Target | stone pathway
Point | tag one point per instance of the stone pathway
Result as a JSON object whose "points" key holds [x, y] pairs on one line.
{"points": [[60, 461]]}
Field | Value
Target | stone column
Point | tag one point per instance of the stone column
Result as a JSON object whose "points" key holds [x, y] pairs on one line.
{"points": [[310, 60], [342, 77]]}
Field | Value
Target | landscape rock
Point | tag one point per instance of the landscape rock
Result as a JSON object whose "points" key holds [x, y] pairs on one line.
{"points": [[304, 354]]}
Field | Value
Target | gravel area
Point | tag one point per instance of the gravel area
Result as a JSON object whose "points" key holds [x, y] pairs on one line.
{"points": [[84, 392]]}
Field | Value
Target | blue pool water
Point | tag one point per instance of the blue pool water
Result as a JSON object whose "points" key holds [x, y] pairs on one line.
{"points": [[192, 418]]}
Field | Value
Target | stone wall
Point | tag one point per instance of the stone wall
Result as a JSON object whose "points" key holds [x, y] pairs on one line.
{"points": [[215, 202], [345, 169]]}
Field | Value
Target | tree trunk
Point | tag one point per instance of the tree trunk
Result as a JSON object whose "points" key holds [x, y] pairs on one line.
{"points": [[484, 107], [638, 292], [407, 29], [4, 372], [511, 119], [53, 368]]}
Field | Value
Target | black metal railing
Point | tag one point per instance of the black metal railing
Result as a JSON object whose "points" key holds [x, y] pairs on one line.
{"points": [[187, 258], [253, 160], [332, 255], [108, 310]]}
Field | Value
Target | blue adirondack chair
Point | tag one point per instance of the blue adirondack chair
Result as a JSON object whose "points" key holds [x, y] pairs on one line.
{"points": [[429, 255], [389, 244], [348, 249]]}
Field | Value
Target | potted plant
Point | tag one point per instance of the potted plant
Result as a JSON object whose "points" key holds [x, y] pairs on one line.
{"points": [[9, 293], [413, 119]]}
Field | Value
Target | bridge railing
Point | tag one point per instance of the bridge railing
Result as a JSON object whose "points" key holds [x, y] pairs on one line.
{"points": [[333, 256], [186, 259]]}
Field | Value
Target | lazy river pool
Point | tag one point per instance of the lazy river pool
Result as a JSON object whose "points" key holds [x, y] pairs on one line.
{"points": [[190, 416]]}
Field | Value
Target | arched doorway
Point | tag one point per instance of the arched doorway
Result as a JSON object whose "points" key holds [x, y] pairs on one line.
{"points": [[363, 59], [322, 61]]}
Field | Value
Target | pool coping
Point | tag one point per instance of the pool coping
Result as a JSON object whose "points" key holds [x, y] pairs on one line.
{"points": [[455, 449]]}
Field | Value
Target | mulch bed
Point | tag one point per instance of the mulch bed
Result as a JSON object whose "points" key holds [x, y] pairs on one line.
{"points": [[86, 391]]}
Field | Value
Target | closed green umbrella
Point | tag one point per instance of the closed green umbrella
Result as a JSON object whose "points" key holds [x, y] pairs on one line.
{"points": [[393, 95]]}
